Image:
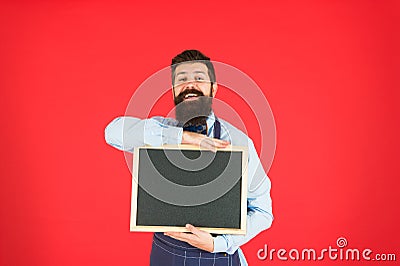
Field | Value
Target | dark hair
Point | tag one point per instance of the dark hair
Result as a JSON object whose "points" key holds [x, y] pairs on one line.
{"points": [[196, 56]]}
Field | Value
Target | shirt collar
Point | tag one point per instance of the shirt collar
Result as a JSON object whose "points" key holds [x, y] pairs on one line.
{"points": [[210, 122]]}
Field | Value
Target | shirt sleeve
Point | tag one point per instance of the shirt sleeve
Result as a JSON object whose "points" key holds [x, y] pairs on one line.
{"points": [[126, 133], [259, 207]]}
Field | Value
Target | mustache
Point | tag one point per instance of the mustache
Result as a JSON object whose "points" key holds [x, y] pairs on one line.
{"points": [[178, 99]]}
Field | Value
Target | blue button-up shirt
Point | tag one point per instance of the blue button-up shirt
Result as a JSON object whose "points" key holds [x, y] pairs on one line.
{"points": [[126, 133]]}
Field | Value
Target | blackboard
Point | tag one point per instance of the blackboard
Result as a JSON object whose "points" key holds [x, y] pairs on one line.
{"points": [[176, 185]]}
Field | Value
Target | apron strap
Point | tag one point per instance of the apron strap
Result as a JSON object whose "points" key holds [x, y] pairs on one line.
{"points": [[217, 129]]}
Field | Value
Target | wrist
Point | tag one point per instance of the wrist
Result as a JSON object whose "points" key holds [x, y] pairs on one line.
{"points": [[184, 136], [219, 244]]}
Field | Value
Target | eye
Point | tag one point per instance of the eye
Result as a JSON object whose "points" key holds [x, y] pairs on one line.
{"points": [[199, 78], [182, 79]]}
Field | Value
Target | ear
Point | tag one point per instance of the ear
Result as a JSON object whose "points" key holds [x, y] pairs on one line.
{"points": [[214, 89], [173, 93]]}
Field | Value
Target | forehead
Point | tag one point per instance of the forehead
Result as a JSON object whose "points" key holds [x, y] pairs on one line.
{"points": [[186, 68]]}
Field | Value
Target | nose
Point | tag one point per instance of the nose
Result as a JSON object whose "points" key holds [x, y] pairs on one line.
{"points": [[190, 85]]}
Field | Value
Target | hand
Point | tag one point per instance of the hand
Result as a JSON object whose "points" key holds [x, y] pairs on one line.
{"points": [[198, 238], [203, 141]]}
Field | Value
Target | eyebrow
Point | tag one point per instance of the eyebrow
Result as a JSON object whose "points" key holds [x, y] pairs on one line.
{"points": [[196, 72]]}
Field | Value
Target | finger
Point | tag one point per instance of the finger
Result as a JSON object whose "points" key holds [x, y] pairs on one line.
{"points": [[193, 229], [220, 141], [184, 239], [180, 236], [192, 137], [207, 145], [217, 141], [190, 242], [219, 144], [196, 138]]}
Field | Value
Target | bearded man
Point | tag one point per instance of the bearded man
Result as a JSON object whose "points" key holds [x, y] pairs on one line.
{"points": [[194, 87]]}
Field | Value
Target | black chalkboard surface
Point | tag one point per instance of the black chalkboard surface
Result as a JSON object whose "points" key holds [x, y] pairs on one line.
{"points": [[176, 185]]}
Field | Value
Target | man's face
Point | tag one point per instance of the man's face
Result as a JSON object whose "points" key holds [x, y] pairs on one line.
{"points": [[194, 77], [192, 92]]}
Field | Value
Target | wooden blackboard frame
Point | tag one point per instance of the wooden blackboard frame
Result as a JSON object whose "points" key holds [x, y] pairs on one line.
{"points": [[151, 228]]}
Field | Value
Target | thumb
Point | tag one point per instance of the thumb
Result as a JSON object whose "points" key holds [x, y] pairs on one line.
{"points": [[193, 229]]}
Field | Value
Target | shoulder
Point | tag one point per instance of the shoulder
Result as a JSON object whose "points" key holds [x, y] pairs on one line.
{"points": [[237, 136], [165, 120]]}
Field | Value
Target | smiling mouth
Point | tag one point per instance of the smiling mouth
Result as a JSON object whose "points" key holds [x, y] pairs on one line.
{"points": [[191, 96]]}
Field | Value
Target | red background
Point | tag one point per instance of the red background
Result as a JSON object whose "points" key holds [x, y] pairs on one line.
{"points": [[330, 71]]}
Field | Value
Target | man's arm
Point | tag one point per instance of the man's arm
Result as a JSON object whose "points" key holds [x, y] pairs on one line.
{"points": [[126, 133], [259, 214], [259, 207]]}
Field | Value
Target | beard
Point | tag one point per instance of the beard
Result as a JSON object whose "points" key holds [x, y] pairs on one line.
{"points": [[194, 112]]}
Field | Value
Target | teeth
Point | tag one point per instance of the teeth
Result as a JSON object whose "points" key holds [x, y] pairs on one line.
{"points": [[190, 95]]}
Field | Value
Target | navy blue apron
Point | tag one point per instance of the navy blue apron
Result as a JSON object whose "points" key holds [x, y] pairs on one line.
{"points": [[167, 251]]}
